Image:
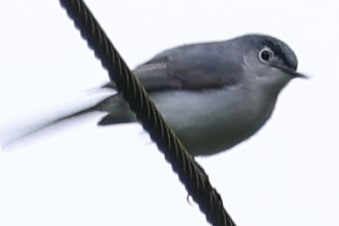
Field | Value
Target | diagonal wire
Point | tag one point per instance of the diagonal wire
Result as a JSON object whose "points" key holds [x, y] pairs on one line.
{"points": [[190, 173]]}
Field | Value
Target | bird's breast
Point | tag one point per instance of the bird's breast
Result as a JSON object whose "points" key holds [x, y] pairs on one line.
{"points": [[211, 121]]}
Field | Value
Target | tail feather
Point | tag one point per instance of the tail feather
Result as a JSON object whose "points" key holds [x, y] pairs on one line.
{"points": [[111, 119], [117, 109], [45, 125]]}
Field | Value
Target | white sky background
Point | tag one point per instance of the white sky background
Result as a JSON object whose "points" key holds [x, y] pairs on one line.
{"points": [[78, 174]]}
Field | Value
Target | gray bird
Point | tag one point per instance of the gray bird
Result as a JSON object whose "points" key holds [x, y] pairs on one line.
{"points": [[213, 95]]}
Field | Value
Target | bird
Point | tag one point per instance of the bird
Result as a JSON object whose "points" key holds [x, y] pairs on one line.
{"points": [[214, 95]]}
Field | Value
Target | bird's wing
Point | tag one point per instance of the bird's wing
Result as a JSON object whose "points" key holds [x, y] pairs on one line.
{"points": [[193, 67]]}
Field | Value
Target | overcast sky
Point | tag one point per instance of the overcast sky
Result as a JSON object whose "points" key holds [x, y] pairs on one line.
{"points": [[79, 174]]}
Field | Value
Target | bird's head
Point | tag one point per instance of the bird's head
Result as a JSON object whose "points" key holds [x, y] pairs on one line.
{"points": [[268, 61]]}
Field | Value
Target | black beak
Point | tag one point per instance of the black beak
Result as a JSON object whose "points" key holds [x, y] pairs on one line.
{"points": [[298, 75], [292, 72]]}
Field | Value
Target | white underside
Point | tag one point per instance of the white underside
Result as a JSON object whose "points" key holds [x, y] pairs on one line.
{"points": [[211, 121]]}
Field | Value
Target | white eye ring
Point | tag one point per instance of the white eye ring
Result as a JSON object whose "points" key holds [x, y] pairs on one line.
{"points": [[266, 54]]}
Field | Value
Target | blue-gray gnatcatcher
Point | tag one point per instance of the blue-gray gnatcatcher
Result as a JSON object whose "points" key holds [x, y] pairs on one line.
{"points": [[213, 95]]}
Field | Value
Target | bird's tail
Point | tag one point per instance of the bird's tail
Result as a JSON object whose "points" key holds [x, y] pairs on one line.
{"points": [[35, 129]]}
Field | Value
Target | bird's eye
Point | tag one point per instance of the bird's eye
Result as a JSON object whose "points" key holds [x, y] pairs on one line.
{"points": [[266, 54]]}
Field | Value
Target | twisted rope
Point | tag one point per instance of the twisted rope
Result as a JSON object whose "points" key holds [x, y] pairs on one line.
{"points": [[190, 173]]}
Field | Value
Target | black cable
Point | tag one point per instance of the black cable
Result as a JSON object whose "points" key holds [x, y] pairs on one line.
{"points": [[190, 173]]}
